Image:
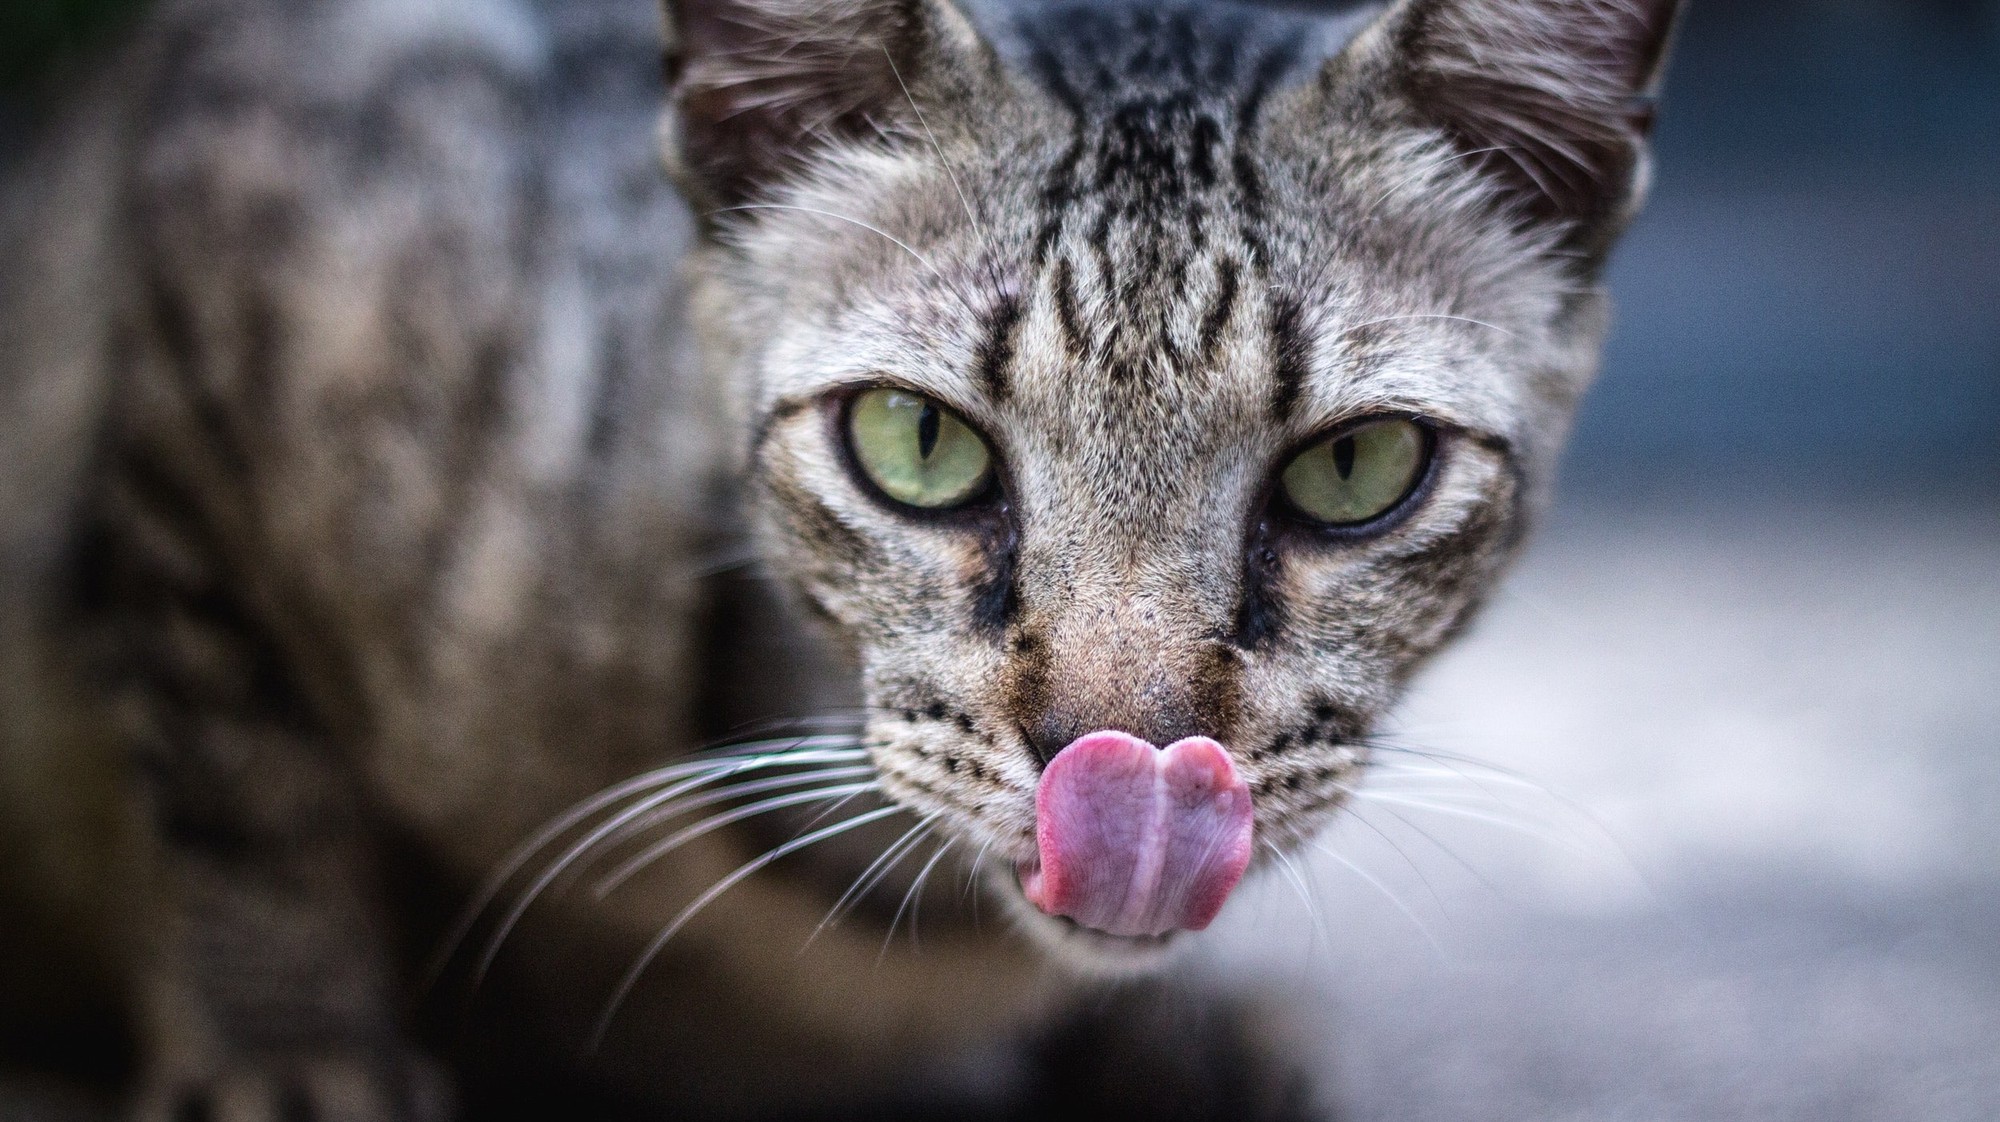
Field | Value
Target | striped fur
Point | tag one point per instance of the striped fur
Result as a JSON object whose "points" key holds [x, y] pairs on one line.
{"points": [[390, 430]]}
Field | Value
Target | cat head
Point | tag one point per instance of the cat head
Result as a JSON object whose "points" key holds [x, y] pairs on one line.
{"points": [[1176, 372]]}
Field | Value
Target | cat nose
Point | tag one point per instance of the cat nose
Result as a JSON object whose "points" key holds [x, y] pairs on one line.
{"points": [[1057, 727], [1091, 671]]}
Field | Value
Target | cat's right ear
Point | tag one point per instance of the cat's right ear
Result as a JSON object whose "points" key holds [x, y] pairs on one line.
{"points": [[759, 88]]}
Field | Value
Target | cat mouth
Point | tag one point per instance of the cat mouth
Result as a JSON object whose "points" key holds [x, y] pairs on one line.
{"points": [[1135, 844]]}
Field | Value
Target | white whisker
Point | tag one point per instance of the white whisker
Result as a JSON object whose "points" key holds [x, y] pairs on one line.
{"points": [[1475, 816], [692, 775], [1415, 920], [624, 872], [972, 880], [970, 217], [518, 859], [1400, 852], [972, 873], [825, 811], [915, 893], [1412, 771], [652, 951], [1462, 863], [1346, 331], [1305, 895], [898, 242], [869, 877], [667, 812], [1449, 761]]}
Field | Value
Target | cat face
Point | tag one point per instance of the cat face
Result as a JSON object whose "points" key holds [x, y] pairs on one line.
{"points": [[1191, 376]]}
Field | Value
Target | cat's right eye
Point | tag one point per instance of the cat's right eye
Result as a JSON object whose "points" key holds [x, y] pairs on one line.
{"points": [[1358, 475], [915, 451]]}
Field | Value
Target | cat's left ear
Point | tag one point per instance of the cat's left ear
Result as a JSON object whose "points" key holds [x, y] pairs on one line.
{"points": [[761, 87], [1553, 99]]}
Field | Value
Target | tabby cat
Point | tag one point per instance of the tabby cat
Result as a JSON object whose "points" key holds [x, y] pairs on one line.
{"points": [[1040, 441]]}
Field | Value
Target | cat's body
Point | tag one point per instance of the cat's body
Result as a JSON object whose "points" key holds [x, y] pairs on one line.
{"points": [[383, 492]]}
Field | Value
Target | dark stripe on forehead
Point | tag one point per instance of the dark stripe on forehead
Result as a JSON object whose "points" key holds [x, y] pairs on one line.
{"points": [[1291, 353], [1216, 321], [1060, 187], [1243, 163], [995, 358], [1271, 68], [1068, 315]]}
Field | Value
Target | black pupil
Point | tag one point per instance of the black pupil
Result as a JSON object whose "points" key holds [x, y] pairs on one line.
{"points": [[1343, 457], [927, 432]]}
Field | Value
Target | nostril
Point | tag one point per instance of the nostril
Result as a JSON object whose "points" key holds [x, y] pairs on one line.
{"points": [[1050, 733]]}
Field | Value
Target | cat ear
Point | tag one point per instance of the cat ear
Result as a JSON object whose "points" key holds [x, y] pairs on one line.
{"points": [[1553, 98], [758, 86]]}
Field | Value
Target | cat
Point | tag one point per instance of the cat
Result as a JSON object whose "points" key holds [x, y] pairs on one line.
{"points": [[1055, 433]]}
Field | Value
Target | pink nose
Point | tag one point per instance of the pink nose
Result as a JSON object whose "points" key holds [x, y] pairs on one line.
{"points": [[1139, 841]]}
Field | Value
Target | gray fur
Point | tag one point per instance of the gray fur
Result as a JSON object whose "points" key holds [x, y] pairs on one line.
{"points": [[386, 419]]}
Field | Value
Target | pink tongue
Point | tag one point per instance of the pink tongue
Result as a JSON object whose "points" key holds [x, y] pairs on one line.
{"points": [[1137, 841]]}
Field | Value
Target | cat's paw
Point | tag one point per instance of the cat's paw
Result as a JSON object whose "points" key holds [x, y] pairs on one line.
{"points": [[334, 1086]]}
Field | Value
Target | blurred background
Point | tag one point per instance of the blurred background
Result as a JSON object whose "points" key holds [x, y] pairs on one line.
{"points": [[1704, 820]]}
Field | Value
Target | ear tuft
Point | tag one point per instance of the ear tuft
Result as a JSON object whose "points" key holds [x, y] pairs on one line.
{"points": [[758, 86], [1553, 97]]}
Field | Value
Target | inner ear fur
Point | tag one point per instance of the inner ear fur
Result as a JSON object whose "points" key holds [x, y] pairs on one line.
{"points": [[758, 87], [1553, 99]]}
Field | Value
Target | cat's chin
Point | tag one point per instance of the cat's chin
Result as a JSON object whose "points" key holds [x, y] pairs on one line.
{"points": [[1085, 950]]}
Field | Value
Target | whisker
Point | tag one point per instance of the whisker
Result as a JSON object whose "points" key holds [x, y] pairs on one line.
{"points": [[660, 941], [692, 776], [624, 872], [870, 877], [1482, 878], [1415, 920], [831, 809], [1482, 777], [1400, 851], [897, 242], [1411, 771], [667, 812], [1475, 816], [720, 563], [721, 769], [914, 893], [1451, 761], [970, 217], [1305, 896], [850, 718], [972, 880], [916, 909], [1504, 777], [972, 873], [522, 854]]}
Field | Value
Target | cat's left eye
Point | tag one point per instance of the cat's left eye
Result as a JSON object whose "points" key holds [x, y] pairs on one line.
{"points": [[915, 451]]}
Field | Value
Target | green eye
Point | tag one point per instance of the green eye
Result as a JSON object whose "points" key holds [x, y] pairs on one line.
{"points": [[916, 451], [1359, 475]]}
